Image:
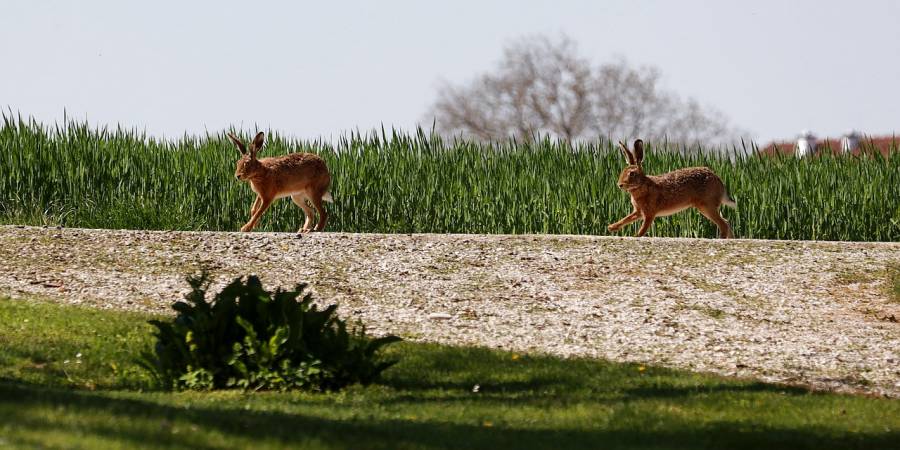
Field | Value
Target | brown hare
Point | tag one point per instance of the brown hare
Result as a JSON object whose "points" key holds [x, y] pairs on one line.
{"points": [[669, 193], [301, 176]]}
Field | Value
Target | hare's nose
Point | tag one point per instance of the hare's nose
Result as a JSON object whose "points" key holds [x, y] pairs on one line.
{"points": [[238, 177]]}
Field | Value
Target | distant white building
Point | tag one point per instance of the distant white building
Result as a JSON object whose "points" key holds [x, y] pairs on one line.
{"points": [[806, 144], [850, 141]]}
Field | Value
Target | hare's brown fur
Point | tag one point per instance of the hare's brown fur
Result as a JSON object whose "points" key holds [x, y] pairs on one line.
{"points": [[301, 176], [669, 193]]}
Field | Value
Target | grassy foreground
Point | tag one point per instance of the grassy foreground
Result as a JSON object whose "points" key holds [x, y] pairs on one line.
{"points": [[67, 380], [78, 176]]}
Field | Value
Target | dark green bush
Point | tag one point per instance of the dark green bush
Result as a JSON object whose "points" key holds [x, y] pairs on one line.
{"points": [[251, 338]]}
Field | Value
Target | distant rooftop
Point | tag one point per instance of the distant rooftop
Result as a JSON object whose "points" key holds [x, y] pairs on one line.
{"points": [[883, 144]]}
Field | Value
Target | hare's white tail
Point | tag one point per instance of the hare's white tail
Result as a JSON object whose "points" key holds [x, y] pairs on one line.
{"points": [[327, 197], [728, 201]]}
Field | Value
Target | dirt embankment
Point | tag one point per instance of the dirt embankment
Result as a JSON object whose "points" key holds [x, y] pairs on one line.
{"points": [[813, 313]]}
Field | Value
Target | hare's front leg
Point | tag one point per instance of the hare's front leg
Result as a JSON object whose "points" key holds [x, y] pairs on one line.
{"points": [[648, 220], [256, 203], [628, 219], [265, 203]]}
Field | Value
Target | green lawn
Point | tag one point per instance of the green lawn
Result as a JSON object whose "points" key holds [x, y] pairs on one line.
{"points": [[51, 397]]}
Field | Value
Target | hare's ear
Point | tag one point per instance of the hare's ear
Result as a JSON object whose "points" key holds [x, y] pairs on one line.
{"points": [[238, 143], [638, 152], [627, 153], [257, 143]]}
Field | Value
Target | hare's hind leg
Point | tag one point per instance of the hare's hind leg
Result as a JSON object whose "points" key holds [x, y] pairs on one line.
{"points": [[323, 215], [300, 200], [712, 213]]}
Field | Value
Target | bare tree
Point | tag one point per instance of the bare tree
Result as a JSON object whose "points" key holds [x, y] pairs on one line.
{"points": [[542, 86]]}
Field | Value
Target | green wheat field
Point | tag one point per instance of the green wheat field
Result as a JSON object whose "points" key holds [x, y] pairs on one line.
{"points": [[74, 175]]}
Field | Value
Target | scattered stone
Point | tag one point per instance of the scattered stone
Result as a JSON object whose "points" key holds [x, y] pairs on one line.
{"points": [[440, 316]]}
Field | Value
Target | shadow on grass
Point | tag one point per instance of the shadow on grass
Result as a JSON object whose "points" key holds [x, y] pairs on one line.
{"points": [[459, 369], [145, 423], [668, 391], [39, 369]]}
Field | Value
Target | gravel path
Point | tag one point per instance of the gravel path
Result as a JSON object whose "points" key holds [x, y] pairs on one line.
{"points": [[810, 313]]}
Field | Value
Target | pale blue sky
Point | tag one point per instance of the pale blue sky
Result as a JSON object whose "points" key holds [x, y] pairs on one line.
{"points": [[319, 68]]}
